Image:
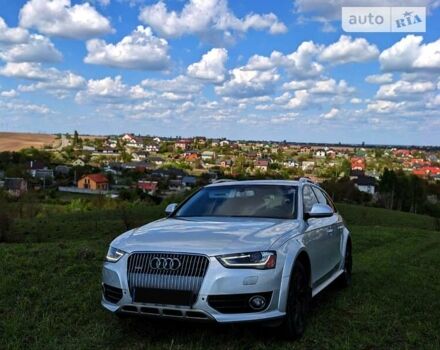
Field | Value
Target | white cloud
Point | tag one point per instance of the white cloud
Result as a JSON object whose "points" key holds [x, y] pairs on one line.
{"points": [[26, 107], [404, 89], [300, 64], [60, 18], [17, 45], [60, 84], [248, 83], [330, 86], [379, 78], [36, 48], [300, 100], [384, 107], [347, 50], [112, 90], [9, 93], [297, 84], [409, 54], [180, 84], [355, 100], [211, 67], [140, 50], [285, 118], [106, 87], [31, 71], [48, 79], [434, 102], [12, 35], [330, 114], [209, 19]]}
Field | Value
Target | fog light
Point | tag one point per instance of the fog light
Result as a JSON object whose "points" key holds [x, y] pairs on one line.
{"points": [[257, 302]]}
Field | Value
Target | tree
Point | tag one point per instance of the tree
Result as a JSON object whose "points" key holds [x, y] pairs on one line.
{"points": [[75, 138]]}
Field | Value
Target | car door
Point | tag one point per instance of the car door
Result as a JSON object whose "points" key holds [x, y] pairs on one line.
{"points": [[333, 231], [315, 238]]}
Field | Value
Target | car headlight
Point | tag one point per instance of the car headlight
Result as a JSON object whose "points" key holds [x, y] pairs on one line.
{"points": [[114, 254], [253, 260]]}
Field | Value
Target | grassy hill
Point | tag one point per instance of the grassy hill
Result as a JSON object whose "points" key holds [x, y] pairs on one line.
{"points": [[50, 290]]}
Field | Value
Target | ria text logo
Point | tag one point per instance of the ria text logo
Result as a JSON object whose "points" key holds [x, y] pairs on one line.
{"points": [[384, 19]]}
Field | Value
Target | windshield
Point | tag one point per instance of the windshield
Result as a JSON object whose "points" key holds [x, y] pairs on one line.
{"points": [[266, 201]]}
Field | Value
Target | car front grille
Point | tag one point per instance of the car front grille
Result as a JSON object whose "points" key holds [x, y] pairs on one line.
{"points": [[166, 278]]}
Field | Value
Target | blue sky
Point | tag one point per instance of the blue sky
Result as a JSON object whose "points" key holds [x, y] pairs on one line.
{"points": [[238, 69]]}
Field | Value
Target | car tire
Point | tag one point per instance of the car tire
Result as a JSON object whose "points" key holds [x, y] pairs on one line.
{"points": [[298, 303], [345, 278]]}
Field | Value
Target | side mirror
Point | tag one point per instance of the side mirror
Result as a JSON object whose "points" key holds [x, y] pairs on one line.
{"points": [[170, 208], [320, 211]]}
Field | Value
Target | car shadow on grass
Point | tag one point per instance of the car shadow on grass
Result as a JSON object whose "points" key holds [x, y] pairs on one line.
{"points": [[212, 335]]}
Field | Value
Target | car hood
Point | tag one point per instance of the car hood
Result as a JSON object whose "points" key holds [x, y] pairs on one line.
{"points": [[211, 236]]}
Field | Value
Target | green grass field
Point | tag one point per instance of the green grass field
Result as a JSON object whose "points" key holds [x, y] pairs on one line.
{"points": [[50, 290]]}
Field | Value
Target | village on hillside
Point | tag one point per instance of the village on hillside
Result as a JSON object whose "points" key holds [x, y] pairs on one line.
{"points": [[162, 167]]}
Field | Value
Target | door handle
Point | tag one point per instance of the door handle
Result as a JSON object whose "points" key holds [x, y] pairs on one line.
{"points": [[330, 231]]}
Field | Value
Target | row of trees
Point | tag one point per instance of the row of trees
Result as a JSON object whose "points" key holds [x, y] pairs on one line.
{"points": [[396, 191], [410, 193]]}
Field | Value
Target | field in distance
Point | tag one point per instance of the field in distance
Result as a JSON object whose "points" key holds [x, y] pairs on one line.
{"points": [[14, 141]]}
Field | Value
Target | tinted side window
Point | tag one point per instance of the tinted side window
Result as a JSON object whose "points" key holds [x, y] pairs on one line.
{"points": [[309, 199], [323, 198]]}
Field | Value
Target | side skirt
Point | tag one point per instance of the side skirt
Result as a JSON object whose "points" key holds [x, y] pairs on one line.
{"points": [[326, 283]]}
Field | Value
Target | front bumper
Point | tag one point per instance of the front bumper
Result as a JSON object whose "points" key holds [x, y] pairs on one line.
{"points": [[217, 281]]}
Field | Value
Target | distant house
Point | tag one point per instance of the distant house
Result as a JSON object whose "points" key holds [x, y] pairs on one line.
{"points": [[175, 185], [307, 165], [261, 165], [183, 145], [128, 137], [138, 156], [97, 182], [291, 163], [148, 186], [358, 163], [305, 149], [354, 174], [39, 171], [224, 143], [15, 186], [402, 153], [366, 184], [78, 162], [331, 153], [189, 181], [88, 148], [133, 141], [320, 153], [192, 156], [138, 166], [62, 170], [427, 171], [226, 163], [44, 174], [152, 148], [208, 155], [156, 160], [170, 172]]}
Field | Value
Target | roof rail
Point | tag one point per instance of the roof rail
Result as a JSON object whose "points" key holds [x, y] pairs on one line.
{"points": [[222, 180], [305, 179]]}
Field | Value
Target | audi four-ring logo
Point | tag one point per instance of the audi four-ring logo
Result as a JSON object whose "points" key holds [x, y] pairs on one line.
{"points": [[170, 264]]}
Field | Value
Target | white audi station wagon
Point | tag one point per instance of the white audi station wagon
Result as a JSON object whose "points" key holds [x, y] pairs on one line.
{"points": [[234, 251]]}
